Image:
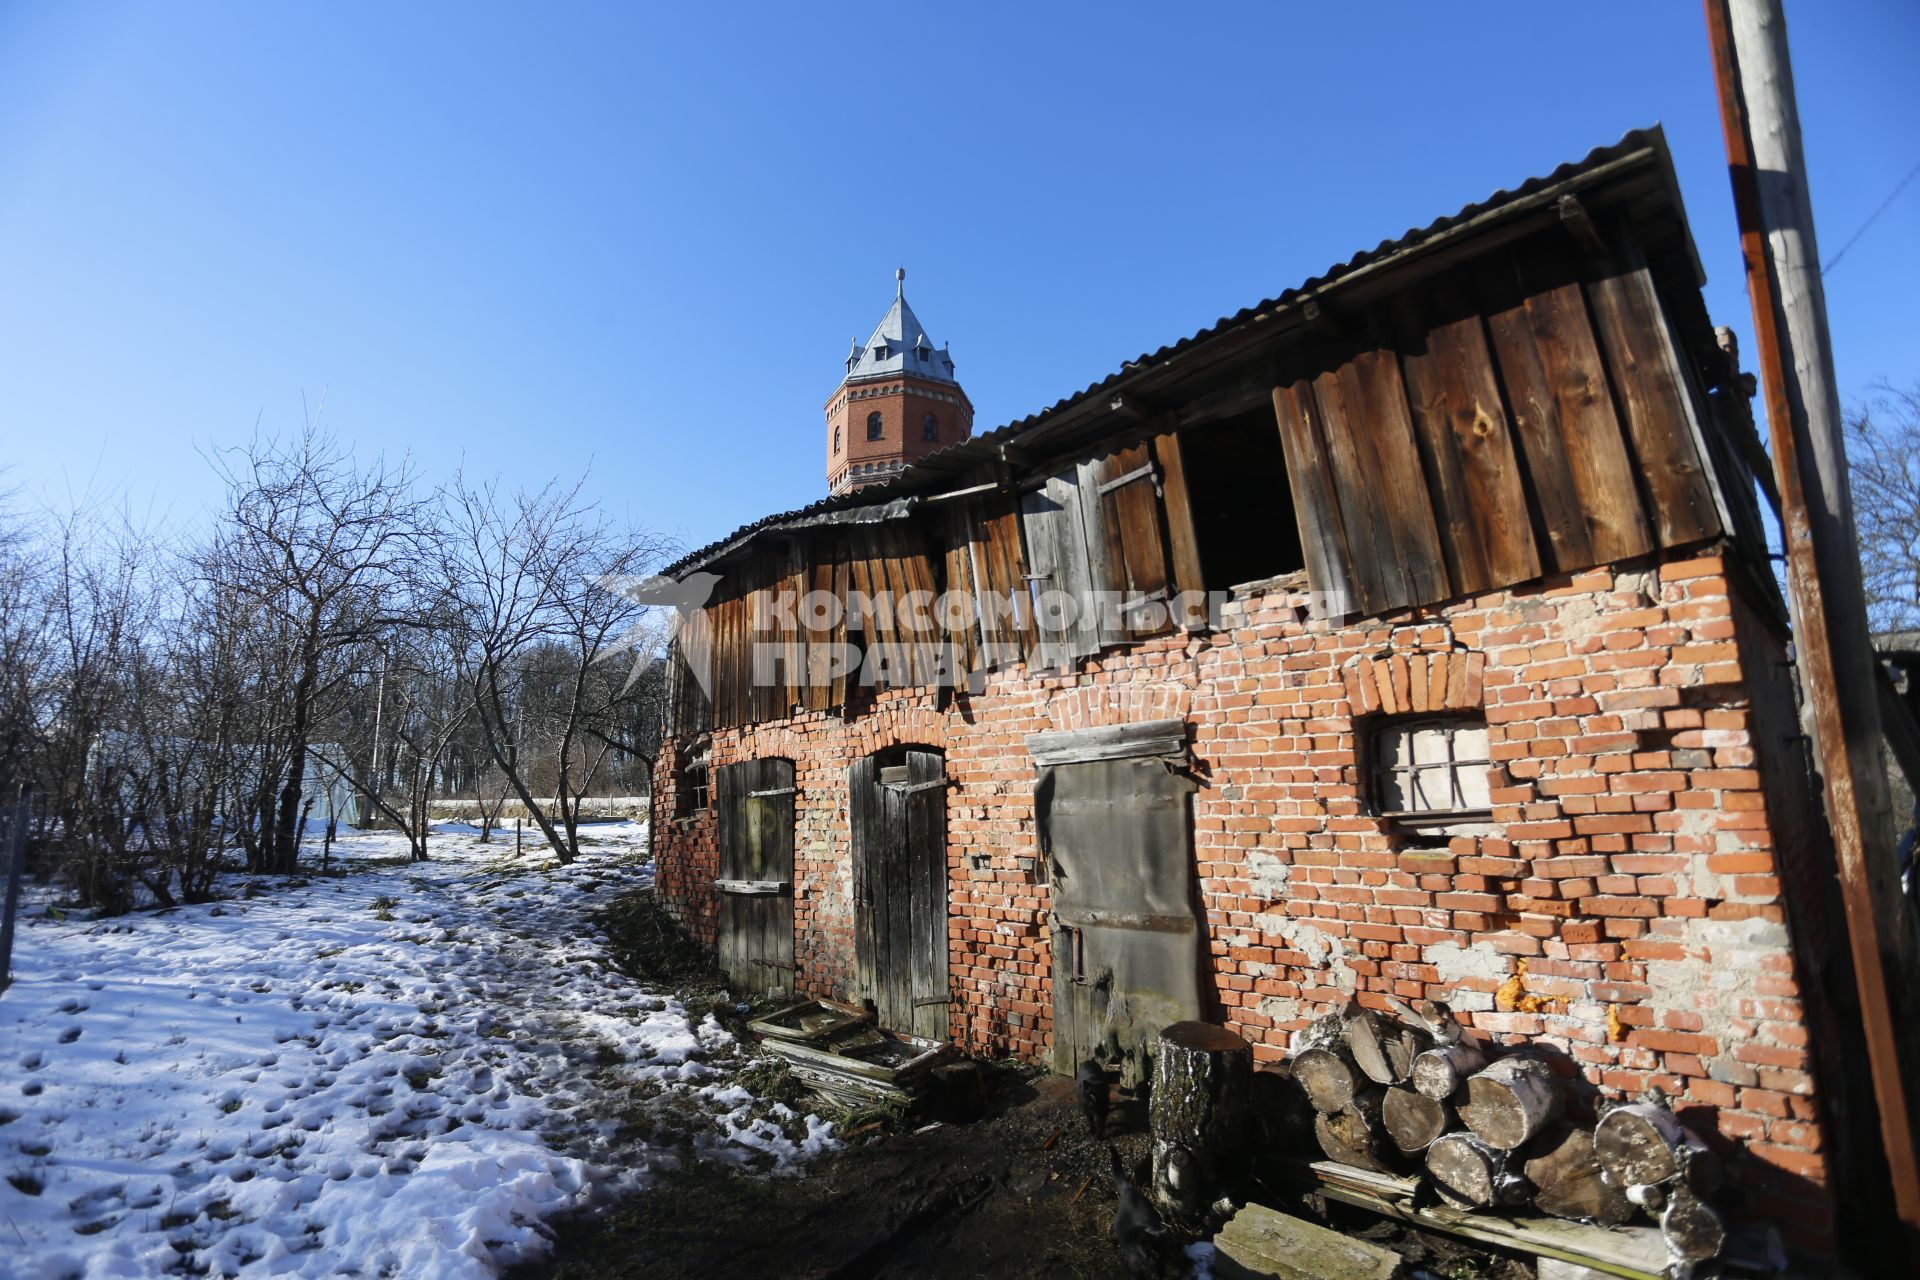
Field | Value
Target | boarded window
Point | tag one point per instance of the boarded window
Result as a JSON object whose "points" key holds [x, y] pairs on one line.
{"points": [[1431, 767]]}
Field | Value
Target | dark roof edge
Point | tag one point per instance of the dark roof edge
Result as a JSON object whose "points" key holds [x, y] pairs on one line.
{"points": [[1635, 150]]}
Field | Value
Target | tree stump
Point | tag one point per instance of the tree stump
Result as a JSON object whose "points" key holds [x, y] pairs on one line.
{"points": [[1199, 1113], [1567, 1179], [1324, 1067], [1441, 1070], [1352, 1135], [1381, 1048], [1511, 1100], [1414, 1120], [1470, 1174]]}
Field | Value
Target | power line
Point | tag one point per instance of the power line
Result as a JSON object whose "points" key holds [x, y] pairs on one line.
{"points": [[1891, 197]]}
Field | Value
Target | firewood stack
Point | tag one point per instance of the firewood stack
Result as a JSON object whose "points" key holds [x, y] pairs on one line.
{"points": [[1415, 1093]]}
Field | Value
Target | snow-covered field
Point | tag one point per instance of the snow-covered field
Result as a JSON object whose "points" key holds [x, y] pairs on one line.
{"points": [[398, 1072]]}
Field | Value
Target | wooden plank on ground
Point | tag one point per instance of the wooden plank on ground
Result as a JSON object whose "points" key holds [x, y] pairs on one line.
{"points": [[1633, 1253], [1259, 1243]]}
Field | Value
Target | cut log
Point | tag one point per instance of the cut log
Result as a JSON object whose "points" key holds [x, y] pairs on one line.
{"points": [[1567, 1181], [1324, 1067], [1511, 1100], [1470, 1174], [1693, 1229], [1352, 1135], [1382, 1048], [1199, 1112], [1414, 1120], [1441, 1070], [1643, 1144]]}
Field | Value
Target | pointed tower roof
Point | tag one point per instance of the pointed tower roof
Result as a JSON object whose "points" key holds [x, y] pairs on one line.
{"points": [[900, 345]]}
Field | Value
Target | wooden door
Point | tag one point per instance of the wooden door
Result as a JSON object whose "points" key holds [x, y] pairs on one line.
{"points": [[899, 819], [1127, 946], [753, 802]]}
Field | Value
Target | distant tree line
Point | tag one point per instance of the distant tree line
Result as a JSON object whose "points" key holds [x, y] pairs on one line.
{"points": [[179, 704]]}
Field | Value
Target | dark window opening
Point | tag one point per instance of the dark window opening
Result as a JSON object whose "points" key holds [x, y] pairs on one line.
{"points": [[1434, 767], [1242, 507], [836, 439], [930, 428], [691, 790], [874, 428]]}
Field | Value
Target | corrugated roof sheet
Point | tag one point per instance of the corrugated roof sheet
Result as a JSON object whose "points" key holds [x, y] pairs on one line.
{"points": [[944, 462]]}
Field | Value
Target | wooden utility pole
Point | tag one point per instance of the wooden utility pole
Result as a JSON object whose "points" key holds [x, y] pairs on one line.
{"points": [[1832, 646]]}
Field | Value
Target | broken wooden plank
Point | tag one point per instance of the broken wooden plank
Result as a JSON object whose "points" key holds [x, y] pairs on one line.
{"points": [[1259, 1243]]}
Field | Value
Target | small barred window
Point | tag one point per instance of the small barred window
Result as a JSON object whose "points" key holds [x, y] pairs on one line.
{"points": [[1432, 767]]}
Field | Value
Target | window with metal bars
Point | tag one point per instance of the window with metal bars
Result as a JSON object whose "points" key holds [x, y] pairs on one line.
{"points": [[1428, 768], [692, 790]]}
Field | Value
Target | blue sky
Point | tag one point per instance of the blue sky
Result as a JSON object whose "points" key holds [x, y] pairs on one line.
{"points": [[547, 240]]}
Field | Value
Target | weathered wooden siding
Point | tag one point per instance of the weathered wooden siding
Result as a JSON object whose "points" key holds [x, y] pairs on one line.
{"points": [[1529, 417]]}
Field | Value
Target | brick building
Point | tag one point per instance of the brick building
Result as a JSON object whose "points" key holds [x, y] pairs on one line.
{"points": [[899, 401], [1442, 658]]}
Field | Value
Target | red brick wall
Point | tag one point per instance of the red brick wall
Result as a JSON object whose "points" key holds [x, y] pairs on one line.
{"points": [[1628, 913]]}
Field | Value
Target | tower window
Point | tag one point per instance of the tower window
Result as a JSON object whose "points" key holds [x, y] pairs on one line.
{"points": [[929, 428], [836, 438], [874, 428]]}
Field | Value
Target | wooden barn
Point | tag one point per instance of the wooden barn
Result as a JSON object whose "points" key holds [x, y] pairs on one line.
{"points": [[1409, 634]]}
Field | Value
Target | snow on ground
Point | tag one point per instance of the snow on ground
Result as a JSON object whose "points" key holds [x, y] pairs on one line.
{"points": [[401, 1071]]}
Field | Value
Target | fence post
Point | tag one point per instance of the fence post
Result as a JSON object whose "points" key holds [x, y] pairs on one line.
{"points": [[15, 852]]}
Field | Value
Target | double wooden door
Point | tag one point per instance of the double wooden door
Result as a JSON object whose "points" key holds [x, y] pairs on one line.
{"points": [[753, 801], [898, 802]]}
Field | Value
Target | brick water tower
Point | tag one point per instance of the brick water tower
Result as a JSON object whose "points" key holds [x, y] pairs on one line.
{"points": [[898, 402]]}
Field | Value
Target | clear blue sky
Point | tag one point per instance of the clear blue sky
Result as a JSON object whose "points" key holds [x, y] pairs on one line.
{"points": [[548, 237]]}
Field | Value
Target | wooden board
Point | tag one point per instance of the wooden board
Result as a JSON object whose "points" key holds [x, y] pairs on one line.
{"points": [[1184, 544], [1571, 440], [1323, 538], [753, 802], [1374, 390], [1633, 1253], [1654, 397], [1463, 429], [900, 888]]}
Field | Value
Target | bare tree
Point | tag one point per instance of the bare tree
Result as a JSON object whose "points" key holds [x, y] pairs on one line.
{"points": [[524, 570], [1883, 455], [315, 547], [423, 707]]}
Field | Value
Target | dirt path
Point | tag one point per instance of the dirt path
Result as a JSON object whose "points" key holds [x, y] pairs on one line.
{"points": [[1023, 1193]]}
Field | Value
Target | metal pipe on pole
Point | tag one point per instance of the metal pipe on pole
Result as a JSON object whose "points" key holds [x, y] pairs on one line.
{"points": [[1833, 647]]}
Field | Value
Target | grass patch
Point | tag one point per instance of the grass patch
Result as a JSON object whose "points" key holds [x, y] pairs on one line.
{"points": [[383, 907], [646, 943]]}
